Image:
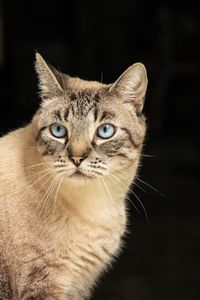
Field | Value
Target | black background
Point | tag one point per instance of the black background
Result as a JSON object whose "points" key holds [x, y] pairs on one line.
{"points": [[95, 39]]}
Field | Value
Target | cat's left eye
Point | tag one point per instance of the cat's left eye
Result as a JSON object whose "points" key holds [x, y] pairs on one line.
{"points": [[58, 130], [105, 131]]}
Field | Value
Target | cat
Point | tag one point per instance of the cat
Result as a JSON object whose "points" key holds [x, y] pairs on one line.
{"points": [[63, 184]]}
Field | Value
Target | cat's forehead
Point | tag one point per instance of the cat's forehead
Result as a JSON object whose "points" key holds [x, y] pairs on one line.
{"points": [[83, 101], [86, 96]]}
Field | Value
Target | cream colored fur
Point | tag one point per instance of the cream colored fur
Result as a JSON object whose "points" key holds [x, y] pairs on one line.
{"points": [[56, 245]]}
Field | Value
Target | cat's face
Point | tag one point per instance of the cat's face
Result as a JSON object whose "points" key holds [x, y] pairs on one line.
{"points": [[87, 129]]}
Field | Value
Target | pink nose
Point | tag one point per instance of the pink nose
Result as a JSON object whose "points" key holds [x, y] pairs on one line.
{"points": [[77, 160]]}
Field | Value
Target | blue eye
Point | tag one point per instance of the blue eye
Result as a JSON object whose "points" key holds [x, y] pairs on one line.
{"points": [[105, 131], [58, 130]]}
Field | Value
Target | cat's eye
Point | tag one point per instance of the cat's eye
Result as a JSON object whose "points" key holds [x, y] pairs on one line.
{"points": [[105, 131], [58, 130]]}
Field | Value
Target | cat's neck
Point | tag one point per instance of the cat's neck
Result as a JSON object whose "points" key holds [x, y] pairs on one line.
{"points": [[95, 200]]}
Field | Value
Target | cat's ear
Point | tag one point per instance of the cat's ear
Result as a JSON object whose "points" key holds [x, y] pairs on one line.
{"points": [[131, 86], [49, 81]]}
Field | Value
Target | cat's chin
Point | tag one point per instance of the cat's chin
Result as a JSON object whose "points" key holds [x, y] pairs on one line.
{"points": [[79, 178]]}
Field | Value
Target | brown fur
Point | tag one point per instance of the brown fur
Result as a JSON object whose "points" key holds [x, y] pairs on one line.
{"points": [[58, 229]]}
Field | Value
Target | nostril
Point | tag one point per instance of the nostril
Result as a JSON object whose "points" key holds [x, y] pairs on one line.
{"points": [[77, 159]]}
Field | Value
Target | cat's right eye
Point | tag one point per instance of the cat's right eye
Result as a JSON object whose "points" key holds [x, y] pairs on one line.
{"points": [[58, 130], [105, 131]]}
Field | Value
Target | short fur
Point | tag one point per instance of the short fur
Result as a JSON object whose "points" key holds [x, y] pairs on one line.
{"points": [[59, 228]]}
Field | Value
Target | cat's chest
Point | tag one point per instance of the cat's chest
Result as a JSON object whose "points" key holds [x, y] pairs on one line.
{"points": [[90, 246], [74, 255], [96, 241], [96, 227]]}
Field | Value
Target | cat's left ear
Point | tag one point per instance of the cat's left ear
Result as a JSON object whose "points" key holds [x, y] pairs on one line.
{"points": [[49, 84], [131, 86]]}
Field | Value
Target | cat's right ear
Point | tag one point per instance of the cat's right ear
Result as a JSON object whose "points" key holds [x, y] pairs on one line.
{"points": [[132, 85], [49, 85]]}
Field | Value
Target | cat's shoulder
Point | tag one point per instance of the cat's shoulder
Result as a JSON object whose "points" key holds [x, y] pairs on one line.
{"points": [[14, 143], [16, 136]]}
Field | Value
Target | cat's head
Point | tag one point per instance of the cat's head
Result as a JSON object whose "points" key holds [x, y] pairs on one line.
{"points": [[87, 129]]}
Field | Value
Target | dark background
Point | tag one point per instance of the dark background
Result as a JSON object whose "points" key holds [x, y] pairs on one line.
{"points": [[90, 38]]}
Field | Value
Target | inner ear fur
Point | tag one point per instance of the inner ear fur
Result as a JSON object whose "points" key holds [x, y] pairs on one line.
{"points": [[132, 85], [50, 80]]}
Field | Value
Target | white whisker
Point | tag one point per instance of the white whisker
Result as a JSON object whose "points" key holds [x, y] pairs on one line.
{"points": [[44, 198], [35, 174], [107, 189], [102, 190], [150, 186], [31, 185], [148, 155], [145, 212], [127, 197], [36, 165], [57, 191]]}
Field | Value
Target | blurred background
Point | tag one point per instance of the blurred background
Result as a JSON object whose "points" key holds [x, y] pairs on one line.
{"points": [[95, 39]]}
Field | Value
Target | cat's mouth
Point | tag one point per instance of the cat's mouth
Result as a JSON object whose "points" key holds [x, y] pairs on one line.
{"points": [[79, 175]]}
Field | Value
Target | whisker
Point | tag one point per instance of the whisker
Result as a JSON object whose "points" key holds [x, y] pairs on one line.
{"points": [[47, 194], [35, 165], [56, 194], [102, 189], [101, 76], [150, 186], [145, 212], [136, 184], [148, 155], [29, 186], [127, 197], [35, 174], [107, 189], [36, 210], [142, 181], [144, 209]]}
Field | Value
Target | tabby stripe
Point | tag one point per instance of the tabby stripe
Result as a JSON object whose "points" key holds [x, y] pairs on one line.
{"points": [[66, 113], [82, 267], [58, 266], [58, 115], [130, 137], [123, 155], [118, 154], [91, 253], [87, 260], [106, 251], [107, 115], [38, 271], [95, 114], [48, 152], [40, 132], [45, 153], [73, 110]]}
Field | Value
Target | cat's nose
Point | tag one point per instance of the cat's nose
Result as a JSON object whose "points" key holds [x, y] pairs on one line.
{"points": [[77, 159]]}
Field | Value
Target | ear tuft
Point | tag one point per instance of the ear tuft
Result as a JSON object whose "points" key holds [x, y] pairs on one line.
{"points": [[132, 85], [48, 84]]}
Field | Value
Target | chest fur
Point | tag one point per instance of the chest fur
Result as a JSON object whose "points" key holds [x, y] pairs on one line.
{"points": [[89, 250], [70, 264], [92, 243]]}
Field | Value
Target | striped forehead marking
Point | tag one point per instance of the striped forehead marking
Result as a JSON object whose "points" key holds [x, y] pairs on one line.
{"points": [[83, 102]]}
